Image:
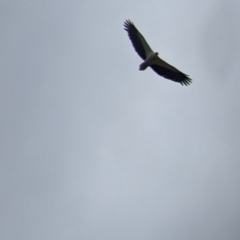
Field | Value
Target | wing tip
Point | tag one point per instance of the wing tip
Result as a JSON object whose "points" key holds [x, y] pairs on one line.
{"points": [[127, 24], [186, 81]]}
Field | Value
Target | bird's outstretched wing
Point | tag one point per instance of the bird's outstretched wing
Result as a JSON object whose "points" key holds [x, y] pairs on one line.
{"points": [[139, 43], [167, 71]]}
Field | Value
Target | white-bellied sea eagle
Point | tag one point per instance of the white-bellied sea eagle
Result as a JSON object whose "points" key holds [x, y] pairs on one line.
{"points": [[151, 58]]}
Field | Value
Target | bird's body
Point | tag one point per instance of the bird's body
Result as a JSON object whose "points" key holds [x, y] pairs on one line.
{"points": [[148, 61], [151, 58]]}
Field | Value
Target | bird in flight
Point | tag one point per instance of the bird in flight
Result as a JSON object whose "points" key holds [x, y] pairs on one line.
{"points": [[151, 58]]}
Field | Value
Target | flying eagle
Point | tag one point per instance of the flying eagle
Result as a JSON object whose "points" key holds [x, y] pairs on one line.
{"points": [[151, 58]]}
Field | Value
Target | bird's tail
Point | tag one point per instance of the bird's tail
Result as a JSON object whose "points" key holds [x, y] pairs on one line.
{"points": [[143, 66]]}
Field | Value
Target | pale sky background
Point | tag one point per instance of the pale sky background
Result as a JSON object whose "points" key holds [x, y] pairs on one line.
{"points": [[91, 148]]}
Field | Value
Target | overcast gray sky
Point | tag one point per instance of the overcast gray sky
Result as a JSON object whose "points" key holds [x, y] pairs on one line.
{"points": [[94, 149]]}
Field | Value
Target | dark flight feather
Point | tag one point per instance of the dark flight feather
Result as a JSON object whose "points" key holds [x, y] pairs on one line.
{"points": [[175, 76], [135, 38]]}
